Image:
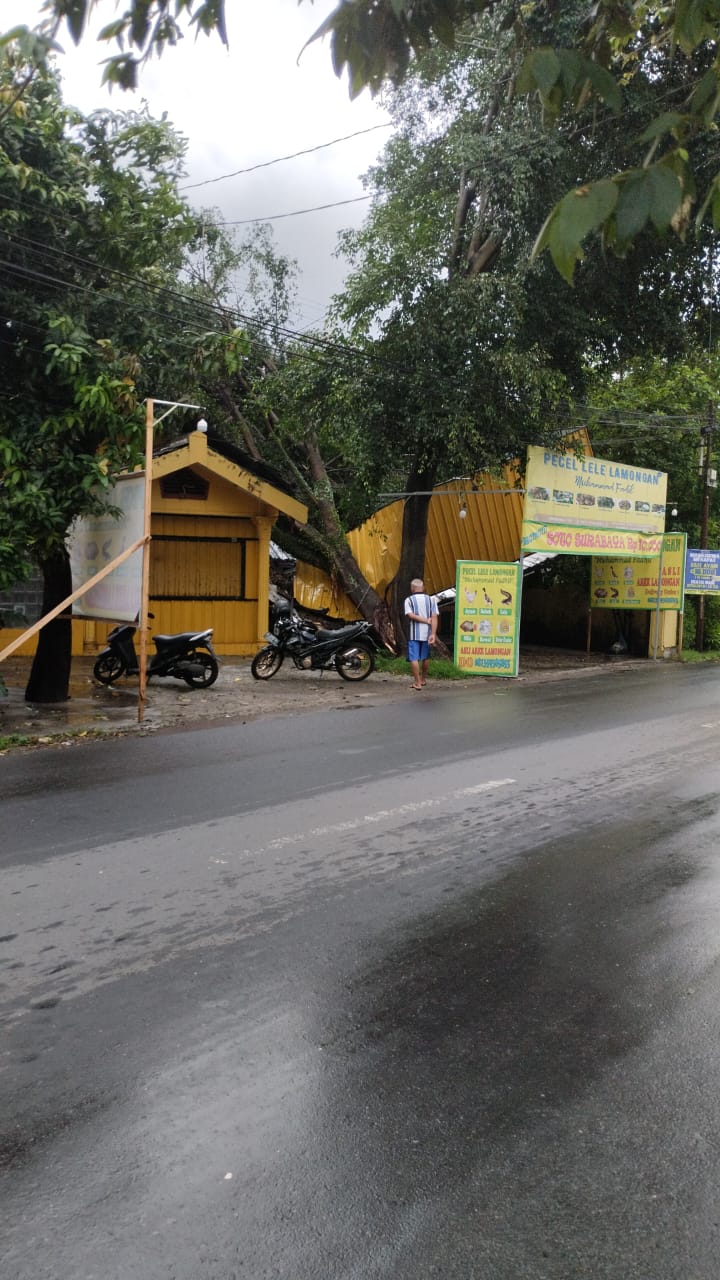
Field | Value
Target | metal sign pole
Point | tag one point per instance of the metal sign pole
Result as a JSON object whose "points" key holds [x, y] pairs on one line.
{"points": [[659, 594], [145, 590]]}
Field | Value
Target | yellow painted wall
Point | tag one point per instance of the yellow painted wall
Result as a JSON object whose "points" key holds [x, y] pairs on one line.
{"points": [[203, 559], [83, 638]]}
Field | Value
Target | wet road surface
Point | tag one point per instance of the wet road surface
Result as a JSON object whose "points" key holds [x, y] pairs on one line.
{"points": [[427, 991]]}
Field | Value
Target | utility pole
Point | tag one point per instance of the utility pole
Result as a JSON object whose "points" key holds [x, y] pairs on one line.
{"points": [[709, 480]]}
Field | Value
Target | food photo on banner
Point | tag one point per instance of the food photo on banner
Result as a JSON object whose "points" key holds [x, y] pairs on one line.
{"points": [[487, 617], [584, 505], [633, 584]]}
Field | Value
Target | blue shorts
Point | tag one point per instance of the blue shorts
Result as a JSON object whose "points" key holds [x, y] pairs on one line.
{"points": [[418, 650]]}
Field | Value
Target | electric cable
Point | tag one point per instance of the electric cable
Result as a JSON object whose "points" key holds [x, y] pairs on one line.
{"points": [[293, 155]]}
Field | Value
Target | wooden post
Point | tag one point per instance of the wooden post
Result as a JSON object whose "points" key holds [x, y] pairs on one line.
{"points": [[145, 592], [706, 437], [659, 594], [263, 525]]}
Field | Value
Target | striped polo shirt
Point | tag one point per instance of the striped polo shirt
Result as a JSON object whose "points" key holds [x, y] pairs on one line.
{"points": [[424, 605]]}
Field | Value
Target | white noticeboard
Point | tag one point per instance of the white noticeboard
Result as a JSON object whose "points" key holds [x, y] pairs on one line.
{"points": [[96, 540]]}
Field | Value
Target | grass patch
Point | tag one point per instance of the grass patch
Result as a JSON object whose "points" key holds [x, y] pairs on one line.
{"points": [[694, 655], [438, 668], [9, 740]]}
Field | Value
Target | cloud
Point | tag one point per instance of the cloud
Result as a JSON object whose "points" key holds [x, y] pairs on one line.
{"points": [[246, 105]]}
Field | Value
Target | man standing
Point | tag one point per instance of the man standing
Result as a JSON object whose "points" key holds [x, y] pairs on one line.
{"points": [[422, 613]]}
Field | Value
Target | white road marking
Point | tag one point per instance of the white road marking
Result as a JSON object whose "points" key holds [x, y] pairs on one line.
{"points": [[381, 815]]}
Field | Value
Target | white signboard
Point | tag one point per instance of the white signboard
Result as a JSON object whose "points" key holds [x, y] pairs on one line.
{"points": [[96, 540]]}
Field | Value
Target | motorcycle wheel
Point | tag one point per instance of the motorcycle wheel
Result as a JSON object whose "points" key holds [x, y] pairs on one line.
{"points": [[266, 663], [108, 668], [354, 662], [210, 674]]}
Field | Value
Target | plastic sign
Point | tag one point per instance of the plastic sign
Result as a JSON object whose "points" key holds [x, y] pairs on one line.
{"points": [[633, 584], [96, 540], [487, 617], [702, 572], [591, 506]]}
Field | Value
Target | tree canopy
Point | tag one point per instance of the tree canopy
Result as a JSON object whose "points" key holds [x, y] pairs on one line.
{"points": [[663, 189]]}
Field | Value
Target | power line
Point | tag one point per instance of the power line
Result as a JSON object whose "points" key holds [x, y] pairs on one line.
{"points": [[637, 421], [266, 164], [296, 213]]}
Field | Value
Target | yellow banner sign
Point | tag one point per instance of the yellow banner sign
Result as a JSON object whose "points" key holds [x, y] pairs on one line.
{"points": [[592, 493], [633, 584], [487, 617], [588, 542]]}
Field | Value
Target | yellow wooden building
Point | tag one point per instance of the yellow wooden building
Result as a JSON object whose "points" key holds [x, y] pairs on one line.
{"points": [[213, 509]]}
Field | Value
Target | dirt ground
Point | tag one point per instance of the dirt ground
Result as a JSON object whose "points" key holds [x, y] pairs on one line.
{"points": [[93, 709]]}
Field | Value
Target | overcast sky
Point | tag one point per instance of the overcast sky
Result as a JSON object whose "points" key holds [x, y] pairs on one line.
{"points": [[243, 107]]}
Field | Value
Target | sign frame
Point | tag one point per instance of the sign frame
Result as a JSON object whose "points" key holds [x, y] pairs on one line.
{"points": [[487, 626]]}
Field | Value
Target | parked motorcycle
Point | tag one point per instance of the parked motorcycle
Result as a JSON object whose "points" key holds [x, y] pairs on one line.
{"points": [[349, 650], [188, 656]]}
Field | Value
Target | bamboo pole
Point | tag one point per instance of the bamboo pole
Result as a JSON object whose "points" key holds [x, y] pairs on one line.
{"points": [[59, 608]]}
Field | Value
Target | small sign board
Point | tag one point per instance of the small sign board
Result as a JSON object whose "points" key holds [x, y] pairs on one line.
{"points": [[702, 572], [487, 617], [633, 584]]}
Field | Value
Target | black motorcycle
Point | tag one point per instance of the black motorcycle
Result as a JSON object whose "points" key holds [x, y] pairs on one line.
{"points": [[188, 656], [349, 650]]}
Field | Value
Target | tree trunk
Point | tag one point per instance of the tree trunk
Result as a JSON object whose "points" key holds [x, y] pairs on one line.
{"points": [[50, 673], [354, 583], [412, 552]]}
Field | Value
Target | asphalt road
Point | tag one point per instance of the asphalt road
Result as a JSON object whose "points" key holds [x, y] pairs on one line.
{"points": [[423, 990]]}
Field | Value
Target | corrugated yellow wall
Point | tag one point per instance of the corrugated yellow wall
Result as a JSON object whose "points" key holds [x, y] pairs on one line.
{"points": [[489, 531]]}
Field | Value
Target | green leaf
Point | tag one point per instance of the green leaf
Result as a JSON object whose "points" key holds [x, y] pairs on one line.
{"points": [[665, 196], [113, 30], [580, 212], [705, 91], [716, 209], [712, 198], [75, 13], [691, 27], [574, 71], [605, 86], [545, 68], [665, 123], [633, 207]]}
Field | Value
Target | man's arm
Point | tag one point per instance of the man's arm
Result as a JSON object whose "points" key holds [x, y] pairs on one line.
{"points": [[434, 620]]}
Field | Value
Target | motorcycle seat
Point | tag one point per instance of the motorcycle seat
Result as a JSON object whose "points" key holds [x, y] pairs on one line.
{"points": [[183, 637], [350, 629]]}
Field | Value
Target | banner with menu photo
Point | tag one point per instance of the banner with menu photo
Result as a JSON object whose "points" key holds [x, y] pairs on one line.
{"points": [[487, 617], [593, 498], [633, 584]]}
